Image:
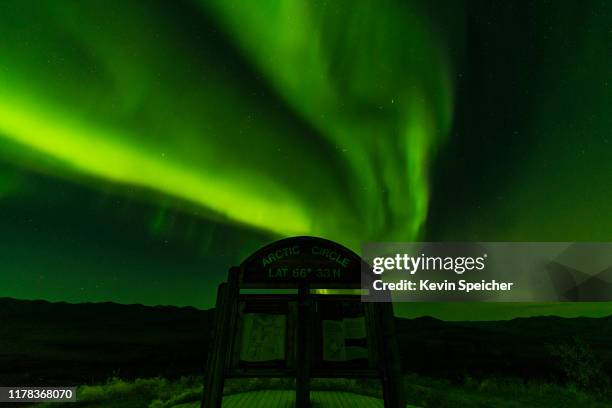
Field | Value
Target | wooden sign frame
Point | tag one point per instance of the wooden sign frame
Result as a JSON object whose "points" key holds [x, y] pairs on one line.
{"points": [[303, 264]]}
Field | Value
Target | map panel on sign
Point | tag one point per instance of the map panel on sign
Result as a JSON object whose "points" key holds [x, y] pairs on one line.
{"points": [[263, 337], [338, 337]]}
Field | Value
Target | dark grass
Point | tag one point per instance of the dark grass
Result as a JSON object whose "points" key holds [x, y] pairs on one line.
{"points": [[421, 392]]}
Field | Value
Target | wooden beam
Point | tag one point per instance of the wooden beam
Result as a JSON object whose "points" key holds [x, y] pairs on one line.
{"points": [[220, 353], [393, 393], [213, 378], [304, 348]]}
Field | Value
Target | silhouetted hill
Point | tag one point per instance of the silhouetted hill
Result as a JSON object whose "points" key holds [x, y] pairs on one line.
{"points": [[518, 347], [43, 343], [61, 343]]}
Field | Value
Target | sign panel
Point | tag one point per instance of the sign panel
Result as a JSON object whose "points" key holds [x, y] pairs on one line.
{"points": [[302, 260], [344, 333], [337, 336], [263, 337]]}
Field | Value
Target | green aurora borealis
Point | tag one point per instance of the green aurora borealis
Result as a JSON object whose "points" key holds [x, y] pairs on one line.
{"points": [[147, 146]]}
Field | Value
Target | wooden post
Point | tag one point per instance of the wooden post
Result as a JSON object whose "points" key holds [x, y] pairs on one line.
{"points": [[373, 329], [392, 380], [304, 347], [213, 379], [219, 353]]}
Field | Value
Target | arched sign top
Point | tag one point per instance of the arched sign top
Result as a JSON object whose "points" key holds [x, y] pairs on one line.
{"points": [[293, 261]]}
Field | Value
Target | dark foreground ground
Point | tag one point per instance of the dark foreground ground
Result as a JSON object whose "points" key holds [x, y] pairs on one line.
{"points": [[44, 343]]}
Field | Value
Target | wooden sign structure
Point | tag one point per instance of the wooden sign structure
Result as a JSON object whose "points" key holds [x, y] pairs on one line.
{"points": [[302, 333]]}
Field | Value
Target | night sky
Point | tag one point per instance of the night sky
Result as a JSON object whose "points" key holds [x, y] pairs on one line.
{"points": [[147, 146]]}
